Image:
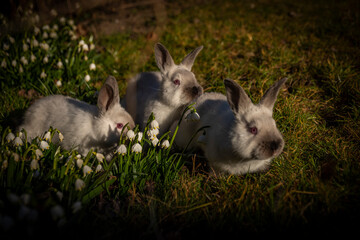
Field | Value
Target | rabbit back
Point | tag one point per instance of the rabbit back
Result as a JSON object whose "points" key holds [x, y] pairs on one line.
{"points": [[142, 90], [71, 117]]}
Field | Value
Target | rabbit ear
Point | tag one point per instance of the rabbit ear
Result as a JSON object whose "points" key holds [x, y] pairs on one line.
{"points": [[108, 95], [269, 98], [236, 96], [188, 61], [163, 58]]}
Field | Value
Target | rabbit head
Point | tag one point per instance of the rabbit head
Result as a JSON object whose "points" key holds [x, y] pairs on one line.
{"points": [[255, 135], [112, 117], [179, 85]]}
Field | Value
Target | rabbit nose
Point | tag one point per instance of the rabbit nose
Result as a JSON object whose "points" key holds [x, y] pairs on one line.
{"points": [[274, 145], [196, 90]]}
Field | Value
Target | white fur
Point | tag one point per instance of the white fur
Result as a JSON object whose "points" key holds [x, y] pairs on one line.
{"points": [[83, 126], [227, 143], [155, 92]]}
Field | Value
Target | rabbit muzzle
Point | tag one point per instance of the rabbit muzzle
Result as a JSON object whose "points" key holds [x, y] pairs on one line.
{"points": [[268, 149], [194, 91]]}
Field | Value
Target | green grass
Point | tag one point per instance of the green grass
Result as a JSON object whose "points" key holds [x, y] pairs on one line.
{"points": [[312, 186]]}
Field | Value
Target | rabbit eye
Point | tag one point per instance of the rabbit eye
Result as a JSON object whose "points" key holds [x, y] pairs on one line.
{"points": [[177, 82], [253, 130], [119, 125]]}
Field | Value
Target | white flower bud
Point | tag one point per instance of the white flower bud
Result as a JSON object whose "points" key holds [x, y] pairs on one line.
{"points": [[87, 78], [79, 162], [165, 144], [92, 66], [18, 142], [99, 168], [47, 136], [100, 157], [9, 137], [76, 206], [44, 145], [154, 125], [136, 148], [43, 75], [57, 212], [34, 164], [121, 149], [86, 170], [79, 184], [131, 135]]}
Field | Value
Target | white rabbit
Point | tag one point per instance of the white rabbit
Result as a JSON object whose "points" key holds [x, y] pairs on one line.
{"points": [[83, 126], [241, 137], [163, 93]]}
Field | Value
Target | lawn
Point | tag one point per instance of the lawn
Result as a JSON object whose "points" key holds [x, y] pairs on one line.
{"points": [[312, 187]]}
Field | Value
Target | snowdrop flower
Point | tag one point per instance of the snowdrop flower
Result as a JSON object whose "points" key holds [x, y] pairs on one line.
{"points": [[154, 124], [92, 46], [11, 39], [38, 153], [121, 149], [79, 184], [47, 136], [35, 43], [140, 136], [99, 168], [36, 30], [45, 35], [24, 60], [53, 12], [6, 47], [46, 27], [155, 141], [100, 157], [152, 133], [16, 157], [192, 116], [25, 198], [87, 78], [57, 212], [32, 58], [43, 74], [58, 84], [62, 20], [25, 47], [53, 34], [131, 135], [44, 145], [85, 47], [60, 195], [21, 70], [92, 67], [79, 162], [4, 164], [76, 206], [136, 148], [46, 59], [13, 63], [61, 137], [86, 170], [81, 43], [34, 164], [10, 137], [18, 141], [44, 46], [59, 64], [71, 22], [3, 63], [165, 144]]}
